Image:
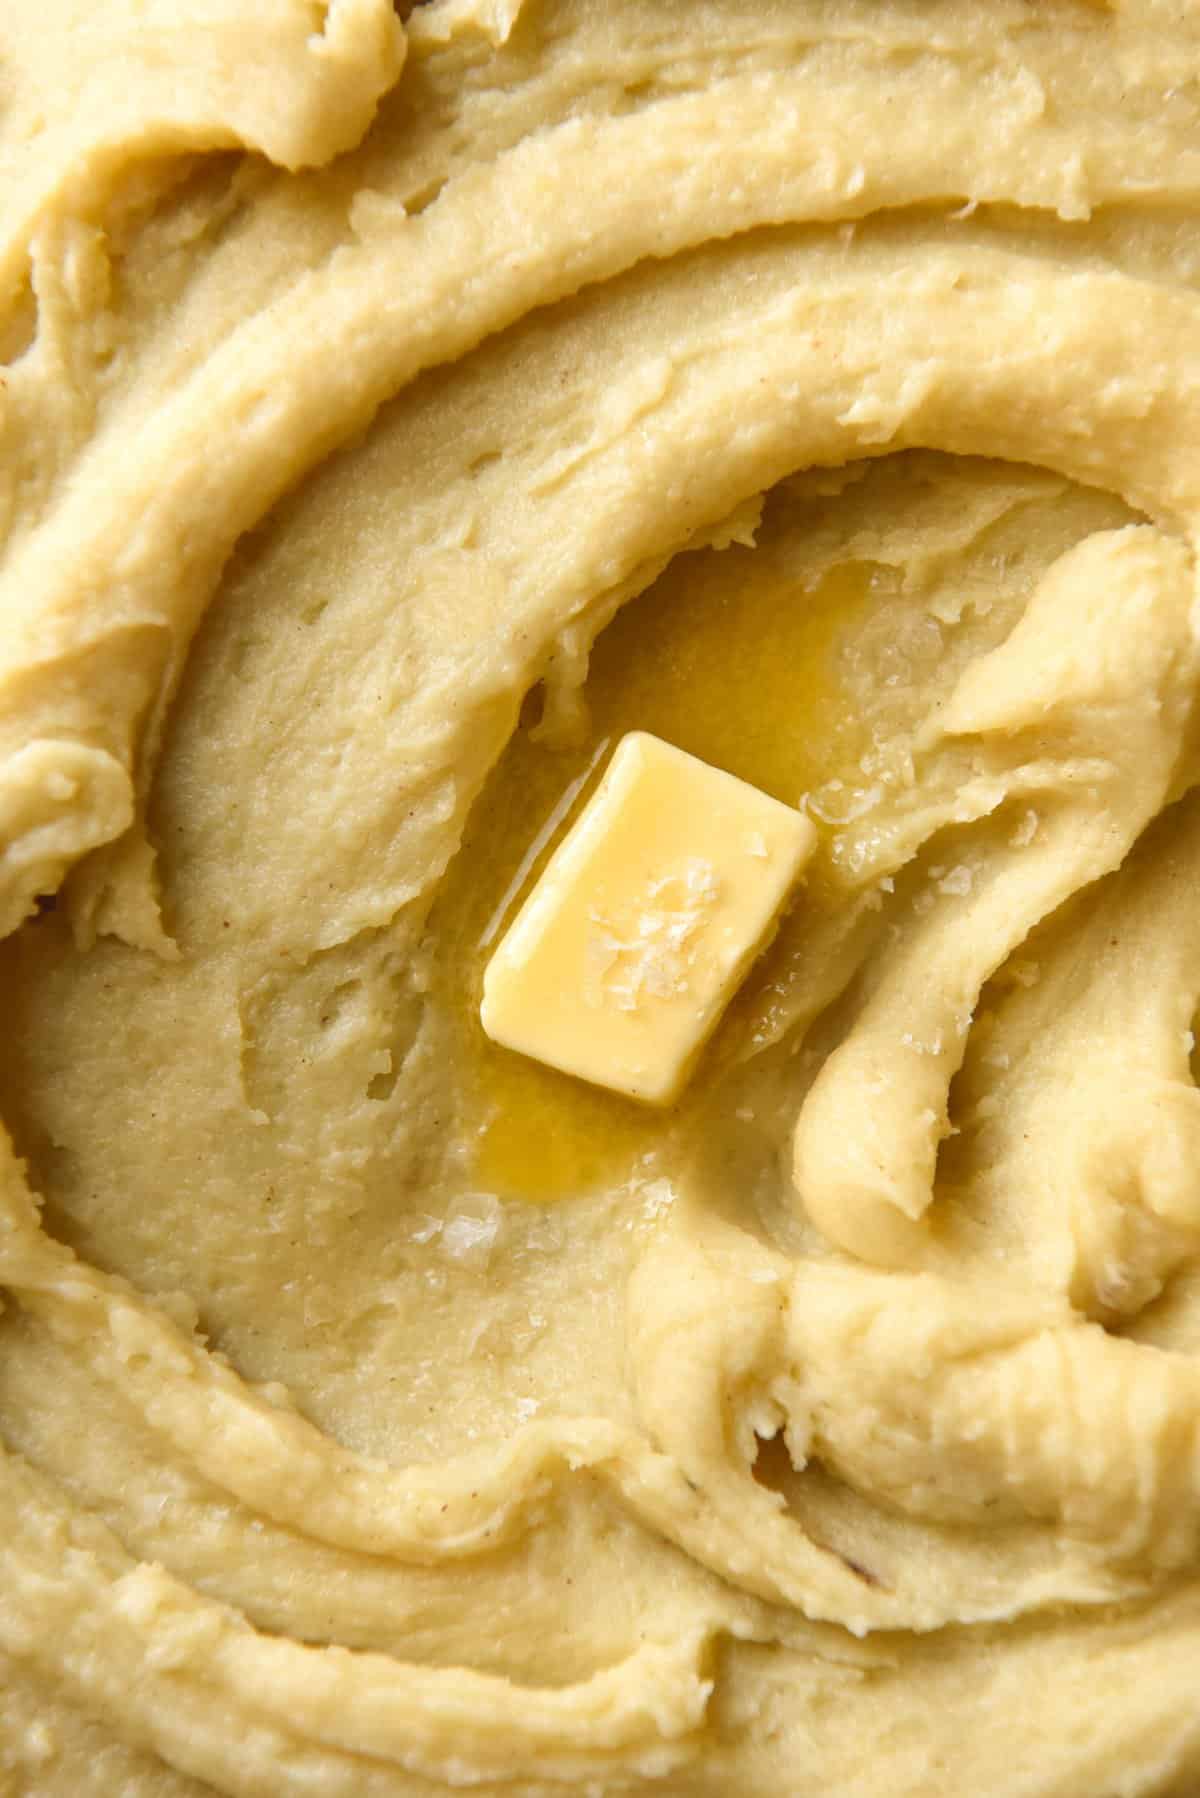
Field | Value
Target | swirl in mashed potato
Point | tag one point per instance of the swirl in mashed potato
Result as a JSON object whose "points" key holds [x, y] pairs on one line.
{"points": [[392, 415]]}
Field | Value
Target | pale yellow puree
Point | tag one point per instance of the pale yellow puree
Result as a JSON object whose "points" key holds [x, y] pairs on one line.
{"points": [[392, 416]]}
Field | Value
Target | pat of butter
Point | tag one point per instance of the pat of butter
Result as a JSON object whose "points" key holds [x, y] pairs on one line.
{"points": [[644, 922]]}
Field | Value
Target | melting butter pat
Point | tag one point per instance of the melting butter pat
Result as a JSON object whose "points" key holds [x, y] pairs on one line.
{"points": [[644, 922]]}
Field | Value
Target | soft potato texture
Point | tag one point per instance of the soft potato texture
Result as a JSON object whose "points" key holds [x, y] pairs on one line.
{"points": [[393, 414]]}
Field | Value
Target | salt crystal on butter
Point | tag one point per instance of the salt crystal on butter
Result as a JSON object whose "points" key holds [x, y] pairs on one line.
{"points": [[645, 920]]}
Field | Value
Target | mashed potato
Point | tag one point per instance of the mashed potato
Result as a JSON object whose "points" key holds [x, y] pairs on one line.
{"points": [[393, 415]]}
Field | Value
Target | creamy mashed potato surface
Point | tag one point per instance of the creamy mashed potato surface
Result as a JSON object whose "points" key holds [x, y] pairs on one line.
{"points": [[394, 414]]}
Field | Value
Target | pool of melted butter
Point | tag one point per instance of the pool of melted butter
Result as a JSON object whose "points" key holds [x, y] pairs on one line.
{"points": [[729, 658]]}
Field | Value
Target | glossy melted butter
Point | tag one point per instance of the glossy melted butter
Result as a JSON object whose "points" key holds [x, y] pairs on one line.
{"points": [[645, 922], [725, 657]]}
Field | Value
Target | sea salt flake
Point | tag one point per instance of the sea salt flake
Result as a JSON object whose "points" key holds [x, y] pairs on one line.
{"points": [[958, 881], [470, 1233]]}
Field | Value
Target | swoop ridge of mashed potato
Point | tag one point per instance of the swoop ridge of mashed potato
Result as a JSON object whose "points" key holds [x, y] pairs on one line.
{"points": [[393, 414]]}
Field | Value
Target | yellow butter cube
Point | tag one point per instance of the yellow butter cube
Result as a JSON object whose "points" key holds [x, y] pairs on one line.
{"points": [[644, 922]]}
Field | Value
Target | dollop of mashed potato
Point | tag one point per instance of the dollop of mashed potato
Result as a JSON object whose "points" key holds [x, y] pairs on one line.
{"points": [[393, 414]]}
